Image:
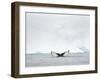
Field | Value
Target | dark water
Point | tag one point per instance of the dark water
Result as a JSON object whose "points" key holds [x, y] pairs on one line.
{"points": [[40, 59]]}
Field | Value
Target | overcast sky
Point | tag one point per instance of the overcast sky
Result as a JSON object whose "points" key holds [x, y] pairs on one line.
{"points": [[56, 32]]}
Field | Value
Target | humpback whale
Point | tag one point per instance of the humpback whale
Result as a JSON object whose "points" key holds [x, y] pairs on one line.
{"points": [[59, 54]]}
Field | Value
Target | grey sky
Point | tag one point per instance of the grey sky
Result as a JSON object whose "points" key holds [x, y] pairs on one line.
{"points": [[46, 32]]}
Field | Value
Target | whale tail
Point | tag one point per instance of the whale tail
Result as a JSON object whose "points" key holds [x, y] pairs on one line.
{"points": [[59, 54]]}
